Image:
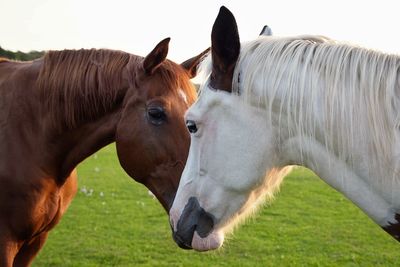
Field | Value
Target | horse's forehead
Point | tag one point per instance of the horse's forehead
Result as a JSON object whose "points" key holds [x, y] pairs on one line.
{"points": [[153, 86], [158, 82], [207, 100]]}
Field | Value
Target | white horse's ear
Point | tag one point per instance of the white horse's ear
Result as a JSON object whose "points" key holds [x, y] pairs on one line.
{"points": [[266, 31], [157, 56], [191, 64], [225, 49]]}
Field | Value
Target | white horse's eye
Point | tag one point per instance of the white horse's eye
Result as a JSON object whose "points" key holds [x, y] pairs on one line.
{"points": [[191, 125]]}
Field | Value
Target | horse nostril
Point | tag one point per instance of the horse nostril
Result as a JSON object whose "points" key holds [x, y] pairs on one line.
{"points": [[205, 223]]}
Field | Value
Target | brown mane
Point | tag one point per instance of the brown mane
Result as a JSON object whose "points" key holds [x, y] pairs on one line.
{"points": [[3, 59], [70, 81], [79, 85]]}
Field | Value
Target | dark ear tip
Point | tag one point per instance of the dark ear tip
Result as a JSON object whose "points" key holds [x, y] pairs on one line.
{"points": [[225, 11], [166, 40], [266, 30], [225, 16]]}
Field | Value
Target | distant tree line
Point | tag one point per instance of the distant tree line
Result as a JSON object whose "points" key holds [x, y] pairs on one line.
{"points": [[20, 55]]}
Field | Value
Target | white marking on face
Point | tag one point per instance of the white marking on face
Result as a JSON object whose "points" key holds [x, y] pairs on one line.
{"points": [[183, 95]]}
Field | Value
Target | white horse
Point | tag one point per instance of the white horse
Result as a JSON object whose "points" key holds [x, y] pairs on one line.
{"points": [[275, 102]]}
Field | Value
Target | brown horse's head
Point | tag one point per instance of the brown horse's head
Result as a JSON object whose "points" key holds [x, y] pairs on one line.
{"points": [[151, 138]]}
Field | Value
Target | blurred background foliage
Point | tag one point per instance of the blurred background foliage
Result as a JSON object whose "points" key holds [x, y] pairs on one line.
{"points": [[21, 56]]}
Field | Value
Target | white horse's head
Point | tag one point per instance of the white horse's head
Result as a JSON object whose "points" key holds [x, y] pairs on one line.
{"points": [[233, 149]]}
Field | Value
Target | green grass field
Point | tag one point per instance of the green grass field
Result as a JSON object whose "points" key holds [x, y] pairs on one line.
{"points": [[113, 221]]}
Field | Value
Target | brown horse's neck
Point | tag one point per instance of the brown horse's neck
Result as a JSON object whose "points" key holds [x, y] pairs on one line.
{"points": [[77, 144], [57, 127], [79, 117]]}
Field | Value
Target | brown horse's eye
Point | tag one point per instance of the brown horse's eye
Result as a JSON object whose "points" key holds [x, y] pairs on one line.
{"points": [[156, 115]]}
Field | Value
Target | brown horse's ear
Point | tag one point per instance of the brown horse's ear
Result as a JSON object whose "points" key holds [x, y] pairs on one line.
{"points": [[225, 49], [153, 60], [191, 64]]}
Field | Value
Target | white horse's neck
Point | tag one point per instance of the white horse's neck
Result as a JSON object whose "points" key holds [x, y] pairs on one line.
{"points": [[340, 176], [347, 137]]}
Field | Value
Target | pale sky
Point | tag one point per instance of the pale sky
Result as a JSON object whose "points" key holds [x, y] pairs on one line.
{"points": [[137, 26]]}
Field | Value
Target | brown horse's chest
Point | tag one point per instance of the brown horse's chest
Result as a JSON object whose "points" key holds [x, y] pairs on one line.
{"points": [[30, 213], [36, 209]]}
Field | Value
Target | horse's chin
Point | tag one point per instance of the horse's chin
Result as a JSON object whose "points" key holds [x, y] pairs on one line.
{"points": [[212, 241]]}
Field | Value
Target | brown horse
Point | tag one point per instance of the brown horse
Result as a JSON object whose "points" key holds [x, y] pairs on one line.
{"points": [[58, 110]]}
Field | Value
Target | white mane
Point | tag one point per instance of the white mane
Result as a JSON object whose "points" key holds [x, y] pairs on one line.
{"points": [[343, 95]]}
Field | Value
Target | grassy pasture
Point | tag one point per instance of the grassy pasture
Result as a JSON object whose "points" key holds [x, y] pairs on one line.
{"points": [[113, 221]]}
